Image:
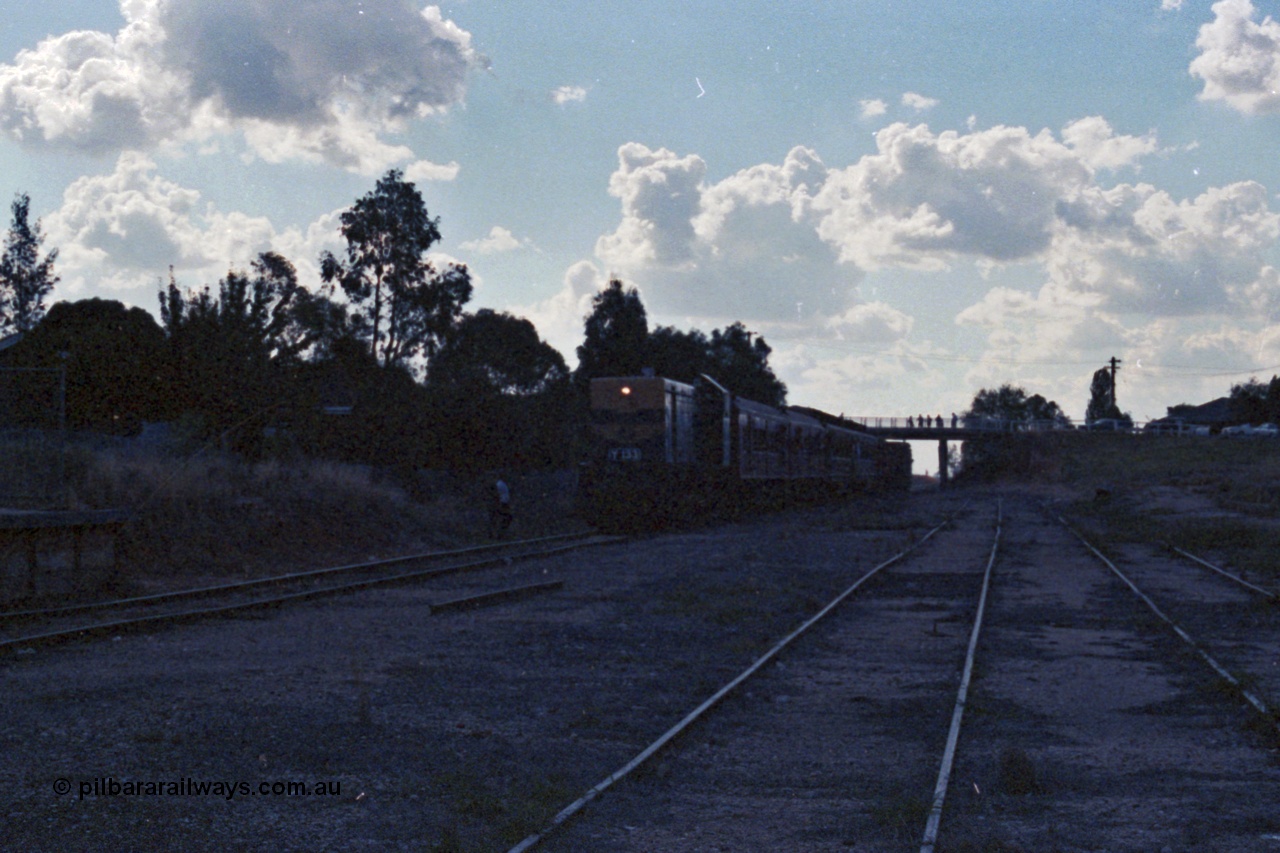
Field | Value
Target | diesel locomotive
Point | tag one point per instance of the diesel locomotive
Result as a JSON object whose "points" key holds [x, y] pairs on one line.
{"points": [[662, 451]]}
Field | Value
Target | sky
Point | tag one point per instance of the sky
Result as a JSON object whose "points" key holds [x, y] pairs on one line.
{"points": [[910, 200]]}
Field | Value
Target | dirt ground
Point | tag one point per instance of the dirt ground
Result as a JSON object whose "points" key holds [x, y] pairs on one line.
{"points": [[466, 731]]}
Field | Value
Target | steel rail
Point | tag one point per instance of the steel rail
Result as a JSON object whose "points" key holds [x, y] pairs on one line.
{"points": [[689, 719], [953, 735], [175, 616], [1261, 590], [217, 589], [1252, 698]]}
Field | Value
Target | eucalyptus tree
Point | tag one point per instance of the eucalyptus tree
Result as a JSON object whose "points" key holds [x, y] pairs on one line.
{"points": [[402, 305]]}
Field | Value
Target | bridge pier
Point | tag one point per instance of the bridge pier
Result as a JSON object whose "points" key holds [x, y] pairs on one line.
{"points": [[943, 473]]}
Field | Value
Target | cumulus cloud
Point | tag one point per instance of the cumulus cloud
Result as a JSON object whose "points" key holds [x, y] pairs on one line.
{"points": [[925, 199], [660, 193], [1098, 146], [312, 79], [1239, 58], [873, 107], [499, 240], [918, 102], [425, 170], [872, 322], [560, 318], [122, 231], [568, 95], [786, 246], [1146, 252], [741, 248]]}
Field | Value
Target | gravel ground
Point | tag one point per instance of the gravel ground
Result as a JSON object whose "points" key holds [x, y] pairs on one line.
{"points": [[449, 732], [466, 731]]}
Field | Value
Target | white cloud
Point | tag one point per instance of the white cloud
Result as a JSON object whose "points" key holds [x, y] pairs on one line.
{"points": [[739, 249], [873, 322], [560, 319], [1170, 5], [873, 107], [918, 102], [1097, 145], [425, 170], [568, 95], [122, 231], [313, 79], [788, 243], [1239, 58], [660, 193], [926, 199], [499, 240]]}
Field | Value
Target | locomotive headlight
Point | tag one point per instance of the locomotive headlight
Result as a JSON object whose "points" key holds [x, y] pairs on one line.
{"points": [[626, 390]]}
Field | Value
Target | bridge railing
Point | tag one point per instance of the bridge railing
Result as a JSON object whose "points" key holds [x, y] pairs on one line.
{"points": [[980, 424]]}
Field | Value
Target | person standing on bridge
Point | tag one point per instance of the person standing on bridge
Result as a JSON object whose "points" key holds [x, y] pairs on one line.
{"points": [[938, 421], [909, 423], [953, 420]]}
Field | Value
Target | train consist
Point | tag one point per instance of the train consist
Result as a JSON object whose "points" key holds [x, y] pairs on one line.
{"points": [[662, 451]]}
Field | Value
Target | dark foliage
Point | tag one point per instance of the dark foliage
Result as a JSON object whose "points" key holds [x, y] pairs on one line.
{"points": [[114, 359], [403, 306], [616, 335], [618, 343], [1254, 402], [1011, 403]]}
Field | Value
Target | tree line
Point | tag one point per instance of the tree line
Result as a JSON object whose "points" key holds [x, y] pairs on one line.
{"points": [[380, 364]]}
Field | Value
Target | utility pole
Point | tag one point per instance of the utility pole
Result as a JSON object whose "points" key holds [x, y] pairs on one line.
{"points": [[1115, 365]]}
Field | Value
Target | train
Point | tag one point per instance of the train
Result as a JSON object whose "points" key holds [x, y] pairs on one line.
{"points": [[660, 452]]}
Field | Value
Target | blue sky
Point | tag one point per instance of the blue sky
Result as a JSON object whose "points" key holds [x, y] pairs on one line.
{"points": [[910, 200]]}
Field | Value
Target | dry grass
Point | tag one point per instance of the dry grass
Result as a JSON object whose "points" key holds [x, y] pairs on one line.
{"points": [[215, 515], [1207, 495]]}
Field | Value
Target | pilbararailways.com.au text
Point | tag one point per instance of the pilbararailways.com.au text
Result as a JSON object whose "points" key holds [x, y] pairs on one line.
{"points": [[188, 787]]}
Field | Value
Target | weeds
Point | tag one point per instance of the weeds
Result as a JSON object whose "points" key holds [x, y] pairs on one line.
{"points": [[214, 514]]}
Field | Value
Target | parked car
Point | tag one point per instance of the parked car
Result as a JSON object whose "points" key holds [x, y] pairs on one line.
{"points": [[1167, 426], [1109, 425], [1237, 431], [1266, 431]]}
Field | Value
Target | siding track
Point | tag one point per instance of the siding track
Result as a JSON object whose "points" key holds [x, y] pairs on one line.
{"points": [[29, 628]]}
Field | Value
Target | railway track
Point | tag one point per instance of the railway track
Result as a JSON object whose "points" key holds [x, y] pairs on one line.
{"points": [[867, 614], [26, 629], [1088, 725]]}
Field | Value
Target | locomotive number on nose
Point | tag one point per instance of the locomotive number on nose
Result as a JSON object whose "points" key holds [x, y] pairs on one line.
{"points": [[624, 454]]}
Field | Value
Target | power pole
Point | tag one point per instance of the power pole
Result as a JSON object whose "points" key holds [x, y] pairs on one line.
{"points": [[1115, 365]]}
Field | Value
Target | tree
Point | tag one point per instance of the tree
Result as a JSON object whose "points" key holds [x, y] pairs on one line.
{"points": [[1101, 397], [227, 351], [403, 306], [25, 279], [742, 365], [616, 335], [494, 352], [1253, 402], [114, 358], [1011, 403], [500, 395]]}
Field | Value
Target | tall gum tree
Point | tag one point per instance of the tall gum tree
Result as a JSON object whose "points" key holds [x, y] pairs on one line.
{"points": [[402, 305]]}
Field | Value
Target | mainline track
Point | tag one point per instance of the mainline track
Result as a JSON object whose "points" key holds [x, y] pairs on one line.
{"points": [[1069, 678], [569, 811], [317, 583]]}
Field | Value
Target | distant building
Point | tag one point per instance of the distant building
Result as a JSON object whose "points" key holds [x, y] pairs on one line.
{"points": [[1215, 414]]}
